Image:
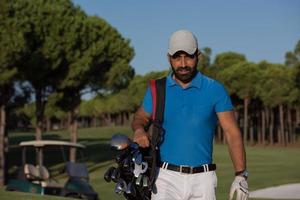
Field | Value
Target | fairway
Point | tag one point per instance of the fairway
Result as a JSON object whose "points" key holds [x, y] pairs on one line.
{"points": [[268, 166]]}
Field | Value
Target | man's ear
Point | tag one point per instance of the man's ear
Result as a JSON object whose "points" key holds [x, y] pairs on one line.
{"points": [[198, 53]]}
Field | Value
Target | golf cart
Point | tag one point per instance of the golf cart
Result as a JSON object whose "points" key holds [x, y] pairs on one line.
{"points": [[37, 179]]}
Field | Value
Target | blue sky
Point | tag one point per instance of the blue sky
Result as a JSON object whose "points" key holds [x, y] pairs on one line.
{"points": [[260, 29]]}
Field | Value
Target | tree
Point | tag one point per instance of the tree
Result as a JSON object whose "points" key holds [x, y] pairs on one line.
{"points": [[227, 59], [11, 48], [47, 27], [50, 25], [204, 60], [292, 59], [223, 61], [275, 89], [116, 108], [70, 52], [102, 65], [241, 79]]}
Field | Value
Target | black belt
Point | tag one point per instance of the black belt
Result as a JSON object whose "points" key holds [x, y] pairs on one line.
{"points": [[188, 169]]}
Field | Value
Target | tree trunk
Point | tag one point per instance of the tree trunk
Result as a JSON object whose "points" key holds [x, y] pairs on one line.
{"points": [[298, 116], [122, 118], [289, 138], [39, 111], [73, 134], [62, 124], [130, 116], [127, 122], [69, 121], [259, 127], [282, 133], [271, 127], [251, 132], [263, 127], [4, 98], [107, 119], [119, 118], [279, 136], [2, 144], [48, 124], [245, 133], [236, 114], [94, 121]]}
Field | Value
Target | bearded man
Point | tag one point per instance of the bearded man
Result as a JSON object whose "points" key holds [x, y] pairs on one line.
{"points": [[193, 105]]}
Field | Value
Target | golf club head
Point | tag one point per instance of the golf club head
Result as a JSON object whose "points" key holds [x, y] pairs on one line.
{"points": [[140, 169], [115, 175], [121, 186], [107, 175], [145, 181], [119, 142], [126, 162], [134, 146], [130, 189], [137, 157], [139, 180], [121, 157]]}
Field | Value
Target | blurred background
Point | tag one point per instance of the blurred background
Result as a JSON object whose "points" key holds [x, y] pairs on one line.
{"points": [[78, 70]]}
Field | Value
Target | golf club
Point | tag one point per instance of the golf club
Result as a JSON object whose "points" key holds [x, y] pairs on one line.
{"points": [[139, 179], [140, 169], [137, 157], [145, 181], [115, 175], [119, 142], [130, 189], [107, 175], [121, 186]]}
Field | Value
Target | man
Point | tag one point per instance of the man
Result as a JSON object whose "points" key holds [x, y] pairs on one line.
{"points": [[193, 104]]}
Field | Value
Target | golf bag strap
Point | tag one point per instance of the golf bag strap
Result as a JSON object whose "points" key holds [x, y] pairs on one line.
{"points": [[154, 97], [158, 90]]}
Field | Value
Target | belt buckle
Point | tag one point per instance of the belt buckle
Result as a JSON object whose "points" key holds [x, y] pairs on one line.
{"points": [[190, 171]]}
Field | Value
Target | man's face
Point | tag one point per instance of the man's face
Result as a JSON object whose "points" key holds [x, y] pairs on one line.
{"points": [[184, 66]]}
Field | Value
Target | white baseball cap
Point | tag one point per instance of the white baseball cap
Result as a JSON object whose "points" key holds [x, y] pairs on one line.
{"points": [[182, 40]]}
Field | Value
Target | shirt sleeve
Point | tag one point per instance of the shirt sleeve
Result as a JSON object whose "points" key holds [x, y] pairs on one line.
{"points": [[223, 102], [147, 102]]}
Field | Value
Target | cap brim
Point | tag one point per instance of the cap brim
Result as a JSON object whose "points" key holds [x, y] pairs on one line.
{"points": [[188, 51]]}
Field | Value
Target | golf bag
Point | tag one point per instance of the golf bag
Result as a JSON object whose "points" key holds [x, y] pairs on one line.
{"points": [[135, 173]]}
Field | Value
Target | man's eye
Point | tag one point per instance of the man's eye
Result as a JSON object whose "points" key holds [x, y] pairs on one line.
{"points": [[175, 57], [191, 56]]}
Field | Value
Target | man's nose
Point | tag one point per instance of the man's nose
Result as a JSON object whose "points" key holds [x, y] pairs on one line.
{"points": [[183, 61]]}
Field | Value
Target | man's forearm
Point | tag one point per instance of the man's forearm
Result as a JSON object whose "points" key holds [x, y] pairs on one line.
{"points": [[140, 120], [234, 140], [237, 153]]}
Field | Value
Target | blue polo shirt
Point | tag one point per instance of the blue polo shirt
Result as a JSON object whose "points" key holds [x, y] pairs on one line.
{"points": [[190, 119]]}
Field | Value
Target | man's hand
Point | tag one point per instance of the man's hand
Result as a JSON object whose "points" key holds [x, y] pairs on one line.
{"points": [[240, 187], [141, 137]]}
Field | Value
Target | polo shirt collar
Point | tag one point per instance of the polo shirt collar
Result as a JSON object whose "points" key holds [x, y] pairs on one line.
{"points": [[196, 82]]}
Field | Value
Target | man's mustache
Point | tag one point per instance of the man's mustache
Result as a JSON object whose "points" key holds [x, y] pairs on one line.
{"points": [[187, 68]]}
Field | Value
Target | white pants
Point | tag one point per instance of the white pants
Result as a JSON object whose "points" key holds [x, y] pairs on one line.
{"points": [[173, 185]]}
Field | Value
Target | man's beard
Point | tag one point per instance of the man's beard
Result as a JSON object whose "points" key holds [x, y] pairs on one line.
{"points": [[185, 78]]}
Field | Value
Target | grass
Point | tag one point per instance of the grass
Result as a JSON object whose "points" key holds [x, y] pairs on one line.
{"points": [[268, 166]]}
